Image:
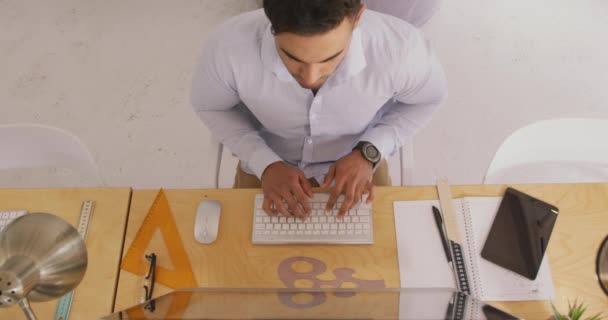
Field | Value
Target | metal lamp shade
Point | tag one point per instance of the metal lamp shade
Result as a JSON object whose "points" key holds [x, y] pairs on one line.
{"points": [[42, 257], [602, 265]]}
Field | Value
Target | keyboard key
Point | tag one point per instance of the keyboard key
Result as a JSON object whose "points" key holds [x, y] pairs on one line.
{"points": [[362, 212], [260, 226]]}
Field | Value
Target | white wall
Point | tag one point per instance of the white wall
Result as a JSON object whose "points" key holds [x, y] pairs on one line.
{"points": [[117, 74], [510, 63]]}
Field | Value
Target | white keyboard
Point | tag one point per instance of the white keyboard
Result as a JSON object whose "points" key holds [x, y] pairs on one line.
{"points": [[7, 216], [320, 228]]}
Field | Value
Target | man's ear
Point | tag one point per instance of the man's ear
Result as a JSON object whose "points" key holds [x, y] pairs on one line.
{"points": [[358, 16]]}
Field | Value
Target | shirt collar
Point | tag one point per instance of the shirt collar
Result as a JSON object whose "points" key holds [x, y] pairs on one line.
{"points": [[353, 63]]}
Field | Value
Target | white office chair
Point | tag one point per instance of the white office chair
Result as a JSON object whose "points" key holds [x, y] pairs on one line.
{"points": [[416, 12], [33, 156], [553, 151], [399, 166]]}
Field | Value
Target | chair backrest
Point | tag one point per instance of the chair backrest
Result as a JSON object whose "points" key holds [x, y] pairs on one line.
{"points": [[416, 12], [31, 149], [553, 151]]}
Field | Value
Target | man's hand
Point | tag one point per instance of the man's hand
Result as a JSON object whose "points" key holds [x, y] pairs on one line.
{"points": [[353, 176], [284, 184]]}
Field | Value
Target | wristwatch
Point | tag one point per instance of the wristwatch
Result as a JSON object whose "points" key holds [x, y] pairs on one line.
{"points": [[369, 152]]}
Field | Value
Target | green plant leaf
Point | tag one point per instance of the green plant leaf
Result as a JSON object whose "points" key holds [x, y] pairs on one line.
{"points": [[598, 316]]}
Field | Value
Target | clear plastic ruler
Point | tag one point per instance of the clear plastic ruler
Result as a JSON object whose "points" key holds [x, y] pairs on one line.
{"points": [[65, 303]]}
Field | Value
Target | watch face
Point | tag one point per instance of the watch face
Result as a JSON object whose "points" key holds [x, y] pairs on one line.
{"points": [[371, 151]]}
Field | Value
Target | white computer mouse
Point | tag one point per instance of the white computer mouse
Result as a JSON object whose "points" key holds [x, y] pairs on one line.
{"points": [[207, 221]]}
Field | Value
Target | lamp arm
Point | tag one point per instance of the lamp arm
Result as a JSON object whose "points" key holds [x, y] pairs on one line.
{"points": [[27, 310]]}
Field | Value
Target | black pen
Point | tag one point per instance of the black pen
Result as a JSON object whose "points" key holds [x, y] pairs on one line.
{"points": [[446, 244], [444, 238]]}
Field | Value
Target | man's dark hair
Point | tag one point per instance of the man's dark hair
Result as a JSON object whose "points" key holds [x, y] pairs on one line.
{"points": [[309, 17]]}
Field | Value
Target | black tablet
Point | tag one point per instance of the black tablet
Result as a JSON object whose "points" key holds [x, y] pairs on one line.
{"points": [[520, 233]]}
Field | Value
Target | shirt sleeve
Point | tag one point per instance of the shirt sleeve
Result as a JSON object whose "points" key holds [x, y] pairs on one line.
{"points": [[421, 87], [216, 101]]}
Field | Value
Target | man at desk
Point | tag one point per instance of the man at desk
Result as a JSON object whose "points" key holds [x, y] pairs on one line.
{"points": [[310, 93]]}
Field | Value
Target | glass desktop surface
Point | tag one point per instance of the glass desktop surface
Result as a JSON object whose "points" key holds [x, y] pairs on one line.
{"points": [[312, 304]]}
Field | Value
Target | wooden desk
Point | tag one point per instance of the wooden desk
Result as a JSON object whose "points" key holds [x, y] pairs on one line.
{"points": [[94, 297], [233, 262]]}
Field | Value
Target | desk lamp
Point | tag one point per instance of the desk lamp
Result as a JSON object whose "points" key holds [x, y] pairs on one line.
{"points": [[602, 265], [42, 257]]}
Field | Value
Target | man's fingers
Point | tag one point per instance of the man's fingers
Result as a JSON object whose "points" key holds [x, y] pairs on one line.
{"points": [[279, 206], [359, 194], [349, 200], [335, 192], [293, 207], [330, 176], [268, 208], [303, 199], [370, 195], [305, 184]]}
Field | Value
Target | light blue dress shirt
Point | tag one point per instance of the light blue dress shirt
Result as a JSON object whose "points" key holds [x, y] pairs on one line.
{"points": [[387, 87]]}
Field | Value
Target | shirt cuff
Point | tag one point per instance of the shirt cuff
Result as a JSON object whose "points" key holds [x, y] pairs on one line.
{"points": [[262, 158]]}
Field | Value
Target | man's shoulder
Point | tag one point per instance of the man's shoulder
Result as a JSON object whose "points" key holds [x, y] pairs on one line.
{"points": [[244, 29]]}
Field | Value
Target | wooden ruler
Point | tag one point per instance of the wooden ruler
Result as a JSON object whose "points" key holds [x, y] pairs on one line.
{"points": [[65, 303]]}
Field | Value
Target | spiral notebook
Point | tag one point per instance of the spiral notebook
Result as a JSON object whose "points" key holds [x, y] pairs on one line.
{"points": [[422, 261]]}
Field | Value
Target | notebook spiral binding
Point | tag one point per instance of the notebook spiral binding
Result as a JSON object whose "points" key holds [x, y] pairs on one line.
{"points": [[463, 279], [470, 238], [461, 300]]}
